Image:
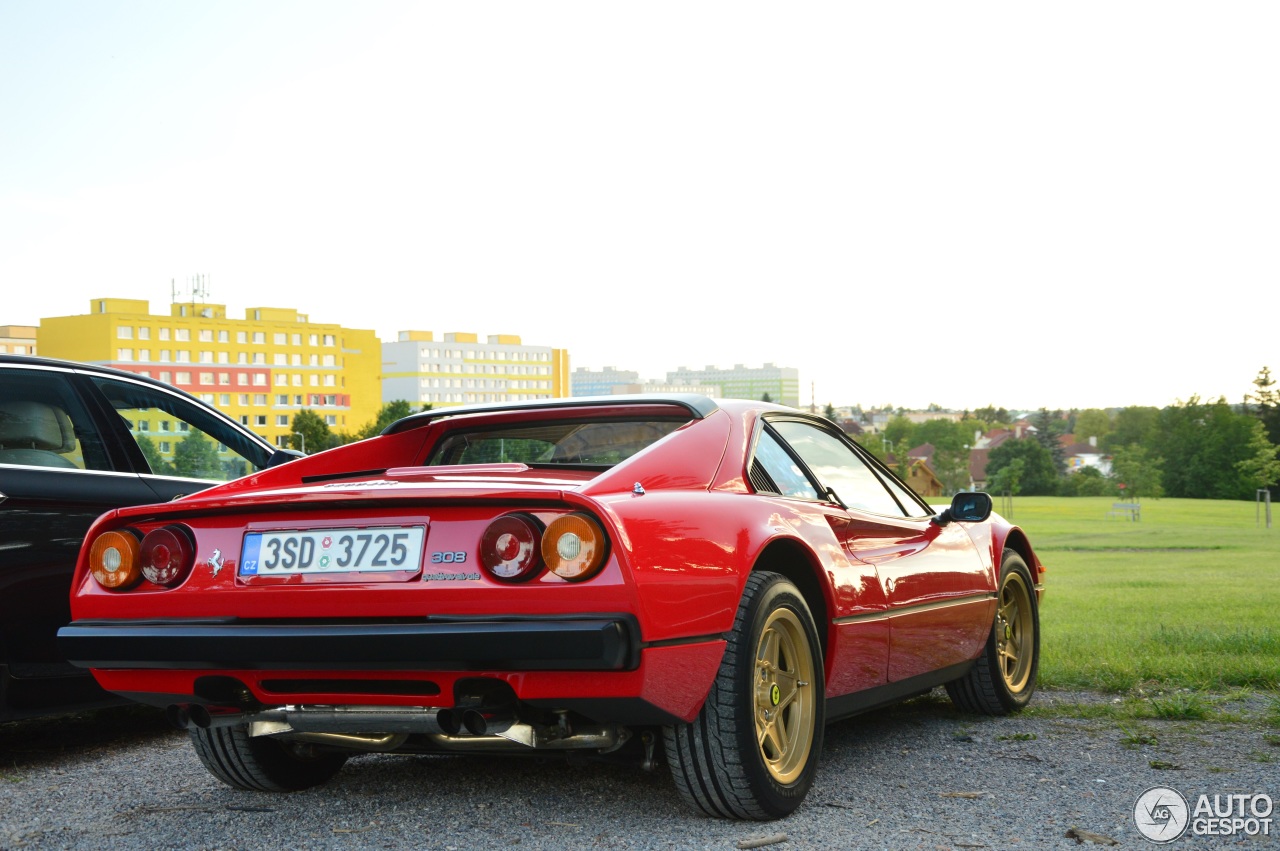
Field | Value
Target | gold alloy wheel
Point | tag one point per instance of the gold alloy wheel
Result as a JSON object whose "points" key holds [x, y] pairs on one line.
{"points": [[1015, 632], [784, 700]]}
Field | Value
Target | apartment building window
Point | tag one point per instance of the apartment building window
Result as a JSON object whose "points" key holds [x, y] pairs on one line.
{"points": [[260, 420], [224, 399], [313, 360], [242, 357], [166, 377], [282, 420], [224, 357], [144, 332], [206, 378], [282, 380], [330, 419], [297, 400], [328, 339], [183, 356], [296, 339], [244, 400], [242, 337], [282, 399], [224, 337], [280, 359], [295, 360], [207, 398], [242, 378], [124, 354], [182, 334], [164, 333], [164, 446], [224, 378], [328, 360], [259, 379], [260, 357], [244, 419], [144, 355], [313, 339], [260, 336], [297, 379], [279, 339], [125, 332], [184, 377], [206, 335], [329, 381], [206, 357], [260, 399], [315, 380]]}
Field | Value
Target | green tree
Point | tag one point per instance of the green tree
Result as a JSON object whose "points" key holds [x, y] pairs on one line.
{"points": [[830, 413], [151, 452], [992, 416], [310, 432], [1050, 426], [1137, 472], [766, 398], [1260, 466], [196, 457], [1008, 479], [1203, 445], [901, 460], [1132, 426], [387, 414], [873, 443], [952, 467], [1087, 481], [899, 429], [1038, 477], [1092, 422], [1266, 403]]}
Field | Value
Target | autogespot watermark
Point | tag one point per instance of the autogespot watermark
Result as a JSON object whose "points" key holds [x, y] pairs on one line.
{"points": [[1163, 815]]}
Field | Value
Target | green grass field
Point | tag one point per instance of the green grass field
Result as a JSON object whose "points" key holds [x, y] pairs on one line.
{"points": [[1188, 598]]}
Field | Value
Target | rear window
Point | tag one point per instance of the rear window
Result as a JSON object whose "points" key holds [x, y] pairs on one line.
{"points": [[599, 443]]}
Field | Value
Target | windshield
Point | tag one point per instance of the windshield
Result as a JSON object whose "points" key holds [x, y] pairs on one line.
{"points": [[600, 443]]}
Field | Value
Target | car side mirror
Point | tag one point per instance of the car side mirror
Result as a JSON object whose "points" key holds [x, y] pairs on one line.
{"points": [[968, 507]]}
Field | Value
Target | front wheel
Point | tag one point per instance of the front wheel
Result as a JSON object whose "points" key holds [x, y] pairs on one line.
{"points": [[1003, 678], [752, 752], [262, 764]]}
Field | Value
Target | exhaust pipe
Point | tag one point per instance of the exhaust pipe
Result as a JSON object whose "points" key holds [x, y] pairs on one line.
{"points": [[493, 724]]}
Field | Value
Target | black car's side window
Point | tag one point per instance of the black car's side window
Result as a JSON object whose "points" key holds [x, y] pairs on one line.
{"points": [[178, 438], [42, 423], [838, 467]]}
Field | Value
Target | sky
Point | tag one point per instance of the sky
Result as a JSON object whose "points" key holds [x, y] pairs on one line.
{"points": [[1019, 204]]}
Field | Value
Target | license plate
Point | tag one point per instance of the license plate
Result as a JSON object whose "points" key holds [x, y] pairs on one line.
{"points": [[383, 549]]}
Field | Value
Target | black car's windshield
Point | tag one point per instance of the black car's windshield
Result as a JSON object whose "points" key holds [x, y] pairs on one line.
{"points": [[601, 443]]}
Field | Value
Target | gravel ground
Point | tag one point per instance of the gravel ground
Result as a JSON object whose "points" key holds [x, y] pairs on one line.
{"points": [[916, 776]]}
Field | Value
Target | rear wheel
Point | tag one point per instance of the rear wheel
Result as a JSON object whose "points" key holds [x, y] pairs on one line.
{"points": [[1004, 677], [262, 764], [752, 752]]}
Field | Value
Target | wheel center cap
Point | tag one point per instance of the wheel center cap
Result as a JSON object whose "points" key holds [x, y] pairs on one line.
{"points": [[775, 694]]}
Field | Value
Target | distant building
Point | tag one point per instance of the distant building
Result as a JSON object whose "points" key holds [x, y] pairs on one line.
{"points": [[599, 382], [18, 339], [782, 384], [661, 387], [458, 369], [261, 369]]}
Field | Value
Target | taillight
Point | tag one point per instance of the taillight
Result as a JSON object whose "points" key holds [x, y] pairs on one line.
{"points": [[113, 560], [509, 548], [574, 547], [167, 555]]}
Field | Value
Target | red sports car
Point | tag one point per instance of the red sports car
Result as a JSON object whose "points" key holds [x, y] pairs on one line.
{"points": [[618, 576]]}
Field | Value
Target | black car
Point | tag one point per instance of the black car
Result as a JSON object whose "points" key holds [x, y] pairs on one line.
{"points": [[75, 441]]}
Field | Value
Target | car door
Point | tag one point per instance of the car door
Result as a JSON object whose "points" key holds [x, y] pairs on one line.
{"points": [[177, 445], [57, 474], [938, 591]]}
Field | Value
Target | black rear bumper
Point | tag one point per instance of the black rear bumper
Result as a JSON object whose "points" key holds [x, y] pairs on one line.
{"points": [[588, 643]]}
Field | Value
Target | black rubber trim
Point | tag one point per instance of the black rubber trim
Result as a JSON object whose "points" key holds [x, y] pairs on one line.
{"points": [[600, 643], [700, 407], [887, 695]]}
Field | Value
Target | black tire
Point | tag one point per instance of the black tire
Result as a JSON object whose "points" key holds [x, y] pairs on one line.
{"points": [[753, 750], [262, 764], [1003, 678]]}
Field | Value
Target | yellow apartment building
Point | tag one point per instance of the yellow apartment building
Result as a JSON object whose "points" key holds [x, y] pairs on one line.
{"points": [[261, 369]]}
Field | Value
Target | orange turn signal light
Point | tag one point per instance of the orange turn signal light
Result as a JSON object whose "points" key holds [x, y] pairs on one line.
{"points": [[574, 547], [114, 561]]}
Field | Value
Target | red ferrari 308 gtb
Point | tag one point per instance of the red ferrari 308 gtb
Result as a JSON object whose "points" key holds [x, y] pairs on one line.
{"points": [[597, 575]]}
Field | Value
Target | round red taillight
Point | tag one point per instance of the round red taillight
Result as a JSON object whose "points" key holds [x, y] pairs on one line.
{"points": [[167, 555], [113, 560], [574, 547], [509, 548]]}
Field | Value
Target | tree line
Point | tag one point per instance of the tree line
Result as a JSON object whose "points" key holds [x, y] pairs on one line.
{"points": [[1194, 448]]}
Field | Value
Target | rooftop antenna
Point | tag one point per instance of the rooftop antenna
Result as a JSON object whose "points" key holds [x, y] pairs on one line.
{"points": [[813, 398]]}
